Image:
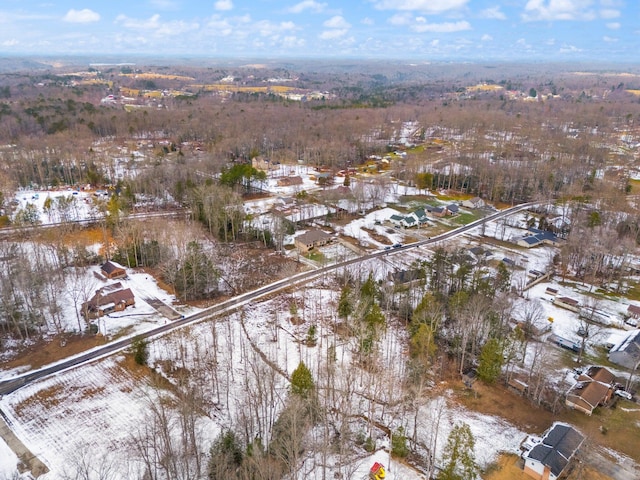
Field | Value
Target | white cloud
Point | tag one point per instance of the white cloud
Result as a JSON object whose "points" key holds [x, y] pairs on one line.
{"points": [[400, 19], [422, 26], [338, 27], [424, 6], [81, 16], [493, 13], [613, 25], [310, 5], [550, 10], [164, 4], [486, 37], [609, 39], [10, 43], [150, 24], [267, 28], [609, 13], [337, 22], [435, 43], [333, 34], [569, 49], [368, 21], [292, 41], [223, 5], [154, 25]]}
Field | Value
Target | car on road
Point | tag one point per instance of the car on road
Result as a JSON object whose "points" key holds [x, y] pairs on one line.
{"points": [[387, 247], [397, 245]]}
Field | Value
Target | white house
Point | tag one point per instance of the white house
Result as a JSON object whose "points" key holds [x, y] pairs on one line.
{"points": [[627, 351], [475, 202], [550, 458]]}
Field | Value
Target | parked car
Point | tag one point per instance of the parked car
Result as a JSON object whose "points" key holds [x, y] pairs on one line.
{"points": [[397, 245], [624, 394]]}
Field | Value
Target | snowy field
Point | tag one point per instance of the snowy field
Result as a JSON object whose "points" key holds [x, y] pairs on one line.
{"points": [[233, 361], [255, 348]]}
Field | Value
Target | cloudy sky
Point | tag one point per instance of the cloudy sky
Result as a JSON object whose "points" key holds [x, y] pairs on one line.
{"points": [[557, 30]]}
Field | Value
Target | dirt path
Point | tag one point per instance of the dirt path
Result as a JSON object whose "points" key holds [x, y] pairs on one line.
{"points": [[615, 468], [162, 308], [28, 461]]}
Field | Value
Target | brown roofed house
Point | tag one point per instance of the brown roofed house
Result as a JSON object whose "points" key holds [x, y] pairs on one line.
{"points": [[633, 311], [113, 270], [594, 387], [311, 239], [107, 300]]}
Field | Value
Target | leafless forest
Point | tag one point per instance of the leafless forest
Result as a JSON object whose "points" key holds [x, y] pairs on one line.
{"points": [[182, 138]]}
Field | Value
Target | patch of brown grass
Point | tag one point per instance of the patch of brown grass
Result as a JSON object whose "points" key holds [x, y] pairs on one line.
{"points": [[499, 401], [509, 467], [377, 237], [50, 350], [49, 397], [622, 424]]}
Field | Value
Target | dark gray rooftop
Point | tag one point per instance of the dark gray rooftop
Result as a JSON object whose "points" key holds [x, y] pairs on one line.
{"points": [[557, 447]]}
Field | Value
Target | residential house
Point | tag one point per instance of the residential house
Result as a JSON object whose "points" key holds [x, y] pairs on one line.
{"points": [[475, 202], [109, 299], [290, 181], [416, 218], [633, 311], [478, 253], [438, 211], [264, 164], [627, 351], [311, 239], [566, 302], [594, 387], [453, 208], [113, 270], [322, 178], [406, 276], [535, 237], [551, 458]]}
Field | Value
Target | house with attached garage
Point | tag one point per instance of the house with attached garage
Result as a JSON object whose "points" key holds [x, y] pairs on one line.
{"points": [[594, 387], [475, 202], [311, 239], [535, 237], [416, 218], [552, 456], [108, 299]]}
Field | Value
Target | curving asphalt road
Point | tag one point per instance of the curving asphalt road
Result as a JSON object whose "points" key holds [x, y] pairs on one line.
{"points": [[13, 384]]}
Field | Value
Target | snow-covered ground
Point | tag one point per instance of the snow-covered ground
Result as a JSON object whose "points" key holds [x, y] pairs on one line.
{"points": [[134, 319], [100, 407]]}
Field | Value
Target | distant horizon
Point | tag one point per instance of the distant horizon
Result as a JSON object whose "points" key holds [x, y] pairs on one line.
{"points": [[143, 59], [530, 31]]}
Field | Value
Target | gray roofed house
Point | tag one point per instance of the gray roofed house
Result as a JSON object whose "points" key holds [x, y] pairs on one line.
{"points": [[535, 237], [311, 239], [550, 458], [627, 352], [453, 208], [475, 202]]}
